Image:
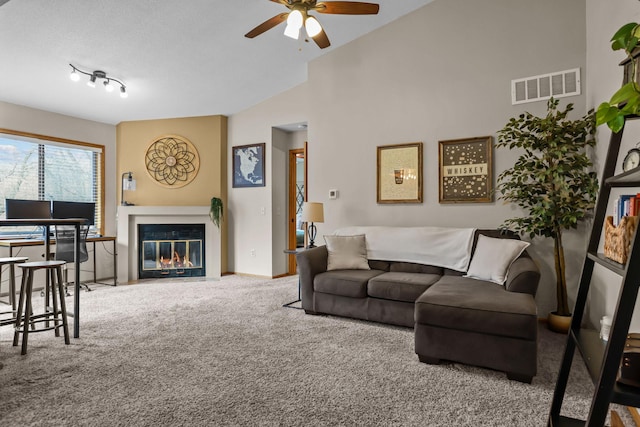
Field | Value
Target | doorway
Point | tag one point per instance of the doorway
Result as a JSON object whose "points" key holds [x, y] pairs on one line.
{"points": [[297, 195]]}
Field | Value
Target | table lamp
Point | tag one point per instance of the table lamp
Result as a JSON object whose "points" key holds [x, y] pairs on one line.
{"points": [[312, 212]]}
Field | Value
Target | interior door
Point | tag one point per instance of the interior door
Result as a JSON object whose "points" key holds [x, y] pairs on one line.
{"points": [[297, 195]]}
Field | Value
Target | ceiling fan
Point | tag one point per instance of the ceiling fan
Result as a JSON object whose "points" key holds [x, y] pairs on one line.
{"points": [[298, 16]]}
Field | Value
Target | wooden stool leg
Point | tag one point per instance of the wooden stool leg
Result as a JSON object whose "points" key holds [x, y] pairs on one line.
{"points": [[12, 286], [63, 306], [52, 281], [23, 287], [47, 296], [13, 306], [27, 313]]}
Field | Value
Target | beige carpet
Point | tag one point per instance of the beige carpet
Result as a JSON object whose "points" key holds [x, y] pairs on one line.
{"points": [[204, 353]]}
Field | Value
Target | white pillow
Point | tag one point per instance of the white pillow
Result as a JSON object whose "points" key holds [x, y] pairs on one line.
{"points": [[346, 253], [493, 257]]}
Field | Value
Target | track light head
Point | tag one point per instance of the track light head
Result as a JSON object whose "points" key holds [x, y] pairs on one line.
{"points": [[74, 76], [92, 81], [123, 92], [108, 86]]}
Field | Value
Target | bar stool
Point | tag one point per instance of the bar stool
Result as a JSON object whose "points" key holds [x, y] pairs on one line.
{"points": [[54, 271], [11, 262]]}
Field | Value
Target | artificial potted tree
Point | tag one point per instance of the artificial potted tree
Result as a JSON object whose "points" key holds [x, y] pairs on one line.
{"points": [[216, 211], [626, 101], [552, 181]]}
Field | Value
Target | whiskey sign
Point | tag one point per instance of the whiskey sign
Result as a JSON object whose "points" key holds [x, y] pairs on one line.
{"points": [[466, 173]]}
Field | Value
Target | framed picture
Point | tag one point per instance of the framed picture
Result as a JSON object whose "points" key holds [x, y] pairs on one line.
{"points": [[400, 173], [466, 171], [248, 165]]}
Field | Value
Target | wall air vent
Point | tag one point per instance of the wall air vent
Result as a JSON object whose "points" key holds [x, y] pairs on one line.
{"points": [[537, 88]]}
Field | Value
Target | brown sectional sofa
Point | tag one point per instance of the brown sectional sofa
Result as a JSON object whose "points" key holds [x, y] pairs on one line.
{"points": [[455, 318]]}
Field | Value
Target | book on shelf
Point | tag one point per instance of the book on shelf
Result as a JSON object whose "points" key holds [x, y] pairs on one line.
{"points": [[626, 205]]}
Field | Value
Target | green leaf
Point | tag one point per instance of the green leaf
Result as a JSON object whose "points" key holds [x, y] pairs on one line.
{"points": [[624, 93], [623, 35], [605, 113], [631, 44], [616, 123]]}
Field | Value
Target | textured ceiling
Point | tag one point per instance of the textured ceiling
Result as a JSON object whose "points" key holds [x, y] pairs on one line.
{"points": [[177, 58]]}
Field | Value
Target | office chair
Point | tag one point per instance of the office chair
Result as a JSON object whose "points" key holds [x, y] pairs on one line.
{"points": [[65, 246]]}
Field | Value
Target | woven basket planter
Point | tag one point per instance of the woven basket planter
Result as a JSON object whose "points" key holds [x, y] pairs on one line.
{"points": [[617, 239]]}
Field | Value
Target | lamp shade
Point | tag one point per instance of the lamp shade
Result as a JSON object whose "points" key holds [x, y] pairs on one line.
{"points": [[312, 26], [312, 212]]}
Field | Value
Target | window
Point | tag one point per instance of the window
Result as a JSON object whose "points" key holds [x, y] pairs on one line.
{"points": [[38, 167]]}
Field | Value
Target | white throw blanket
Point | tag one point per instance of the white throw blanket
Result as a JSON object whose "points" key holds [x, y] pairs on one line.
{"points": [[439, 246]]}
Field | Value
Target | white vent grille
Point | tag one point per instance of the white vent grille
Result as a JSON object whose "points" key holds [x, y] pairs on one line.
{"points": [[544, 86]]}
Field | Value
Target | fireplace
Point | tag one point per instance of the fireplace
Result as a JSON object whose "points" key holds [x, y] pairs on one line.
{"points": [[171, 250], [128, 219]]}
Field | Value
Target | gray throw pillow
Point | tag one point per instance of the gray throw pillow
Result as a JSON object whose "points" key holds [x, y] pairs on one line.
{"points": [[347, 253]]}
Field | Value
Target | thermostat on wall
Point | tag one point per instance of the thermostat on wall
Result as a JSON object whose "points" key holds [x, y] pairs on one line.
{"points": [[333, 194]]}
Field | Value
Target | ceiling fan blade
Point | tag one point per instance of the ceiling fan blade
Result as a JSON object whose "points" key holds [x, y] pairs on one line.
{"points": [[348, 8], [267, 25], [322, 40]]}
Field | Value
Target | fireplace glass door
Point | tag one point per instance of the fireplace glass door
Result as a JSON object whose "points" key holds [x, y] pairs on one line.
{"points": [[171, 250]]}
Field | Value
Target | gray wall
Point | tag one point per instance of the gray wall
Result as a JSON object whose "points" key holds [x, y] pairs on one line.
{"points": [[605, 77], [442, 72]]}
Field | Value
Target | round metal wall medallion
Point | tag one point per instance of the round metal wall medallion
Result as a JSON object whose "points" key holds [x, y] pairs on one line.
{"points": [[172, 161]]}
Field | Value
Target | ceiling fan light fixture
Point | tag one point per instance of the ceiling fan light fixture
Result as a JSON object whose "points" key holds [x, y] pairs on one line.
{"points": [[295, 19], [292, 32], [312, 26], [294, 23], [298, 15]]}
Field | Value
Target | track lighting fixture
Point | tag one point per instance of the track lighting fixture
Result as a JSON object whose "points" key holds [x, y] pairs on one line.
{"points": [[75, 76]]}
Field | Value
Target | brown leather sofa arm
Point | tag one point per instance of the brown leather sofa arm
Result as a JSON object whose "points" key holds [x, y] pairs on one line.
{"points": [[524, 276], [310, 263]]}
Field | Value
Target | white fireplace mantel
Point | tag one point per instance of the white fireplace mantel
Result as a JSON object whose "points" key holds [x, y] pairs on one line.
{"points": [[128, 218]]}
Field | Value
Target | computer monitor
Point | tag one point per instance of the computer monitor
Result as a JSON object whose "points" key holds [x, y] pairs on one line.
{"points": [[63, 210], [27, 209]]}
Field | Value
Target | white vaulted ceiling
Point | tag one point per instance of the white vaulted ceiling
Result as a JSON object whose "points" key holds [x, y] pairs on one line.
{"points": [[177, 58]]}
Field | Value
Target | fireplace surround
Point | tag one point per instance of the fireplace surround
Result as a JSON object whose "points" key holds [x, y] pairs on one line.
{"points": [[128, 219]]}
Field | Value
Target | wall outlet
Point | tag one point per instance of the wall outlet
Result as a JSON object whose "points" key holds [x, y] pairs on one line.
{"points": [[333, 194], [263, 210], [253, 253]]}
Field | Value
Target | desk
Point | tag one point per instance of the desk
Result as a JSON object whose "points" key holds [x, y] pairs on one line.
{"points": [[20, 243], [47, 223]]}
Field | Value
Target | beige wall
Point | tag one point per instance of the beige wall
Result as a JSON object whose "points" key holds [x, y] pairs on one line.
{"points": [[209, 136]]}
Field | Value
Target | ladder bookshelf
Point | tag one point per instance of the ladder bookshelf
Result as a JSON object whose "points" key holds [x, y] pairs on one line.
{"points": [[601, 358]]}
